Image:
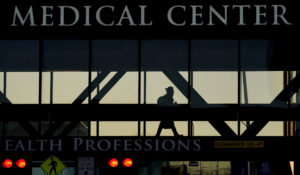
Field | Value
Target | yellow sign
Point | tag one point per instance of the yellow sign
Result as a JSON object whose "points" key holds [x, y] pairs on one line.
{"points": [[239, 144], [53, 166]]}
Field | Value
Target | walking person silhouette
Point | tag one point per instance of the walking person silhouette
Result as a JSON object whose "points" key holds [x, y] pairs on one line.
{"points": [[53, 165], [167, 100]]}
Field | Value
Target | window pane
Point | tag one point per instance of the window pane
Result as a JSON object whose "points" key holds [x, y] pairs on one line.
{"points": [[115, 55], [115, 76], [19, 59], [19, 55], [256, 54], [214, 64], [204, 128], [214, 55], [164, 63], [262, 88], [215, 88], [152, 127], [65, 55], [70, 56], [23, 87], [272, 129], [118, 128]]}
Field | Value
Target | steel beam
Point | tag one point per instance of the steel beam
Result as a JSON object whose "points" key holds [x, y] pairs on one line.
{"points": [[4, 99], [179, 81], [53, 128], [26, 125], [29, 128], [93, 86], [281, 98], [112, 82]]}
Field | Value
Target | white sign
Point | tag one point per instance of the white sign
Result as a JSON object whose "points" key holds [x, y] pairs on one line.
{"points": [[86, 166]]}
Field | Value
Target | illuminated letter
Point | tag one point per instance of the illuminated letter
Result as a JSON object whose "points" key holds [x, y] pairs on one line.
{"points": [[89, 145], [259, 14], [143, 16], [126, 15], [52, 144], [195, 14], [77, 142], [276, 15], [45, 15], [197, 146], [87, 16], [21, 19], [164, 143], [62, 15], [102, 149], [241, 10], [117, 144], [217, 14], [99, 18], [170, 19]]}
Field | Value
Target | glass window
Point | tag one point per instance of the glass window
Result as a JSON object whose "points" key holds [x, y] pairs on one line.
{"points": [[262, 87], [19, 55], [274, 128], [19, 65], [164, 63], [114, 71], [214, 70], [256, 55], [108, 128], [65, 71], [23, 87], [152, 127], [214, 55], [204, 128], [215, 88]]}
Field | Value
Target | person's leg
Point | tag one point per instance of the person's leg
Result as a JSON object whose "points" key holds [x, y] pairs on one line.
{"points": [[159, 129], [174, 129]]}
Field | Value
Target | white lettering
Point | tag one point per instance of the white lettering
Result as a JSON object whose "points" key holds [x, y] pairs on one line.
{"points": [[170, 19], [281, 16], [218, 15], [126, 16], [241, 13], [21, 19], [98, 15], [62, 16], [195, 14], [47, 15], [260, 14], [143, 16], [77, 142]]}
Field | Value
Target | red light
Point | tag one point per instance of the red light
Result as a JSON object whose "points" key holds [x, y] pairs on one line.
{"points": [[113, 163], [127, 162], [7, 163], [21, 163]]}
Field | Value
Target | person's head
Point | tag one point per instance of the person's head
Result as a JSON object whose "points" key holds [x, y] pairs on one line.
{"points": [[170, 90]]}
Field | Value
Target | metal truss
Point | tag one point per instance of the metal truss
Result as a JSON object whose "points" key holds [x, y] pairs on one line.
{"points": [[59, 113]]}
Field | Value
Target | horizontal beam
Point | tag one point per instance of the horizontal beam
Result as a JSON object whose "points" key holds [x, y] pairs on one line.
{"points": [[91, 112]]}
